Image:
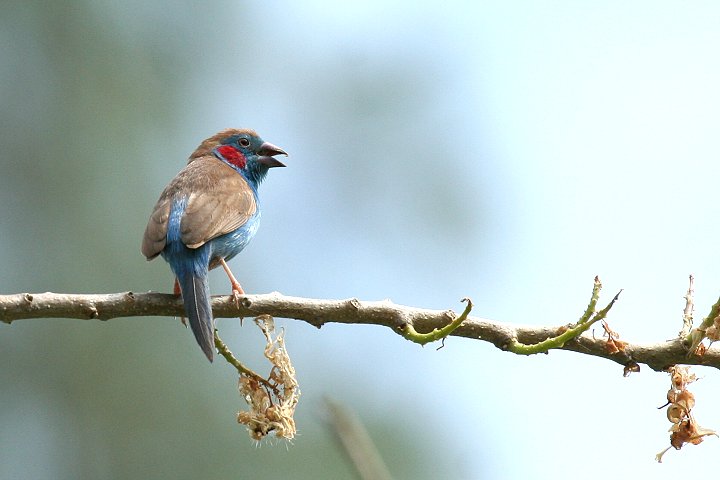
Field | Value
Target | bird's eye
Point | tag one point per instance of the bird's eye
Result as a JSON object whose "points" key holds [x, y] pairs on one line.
{"points": [[244, 142]]}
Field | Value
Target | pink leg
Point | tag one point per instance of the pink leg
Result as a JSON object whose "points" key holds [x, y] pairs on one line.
{"points": [[236, 288]]}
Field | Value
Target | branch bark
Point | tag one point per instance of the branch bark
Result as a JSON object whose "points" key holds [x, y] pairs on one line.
{"points": [[317, 312]]}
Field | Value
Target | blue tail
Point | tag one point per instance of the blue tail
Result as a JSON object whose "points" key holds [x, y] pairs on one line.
{"points": [[190, 266], [196, 297]]}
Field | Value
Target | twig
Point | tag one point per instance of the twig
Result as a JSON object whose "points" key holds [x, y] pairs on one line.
{"points": [[565, 334], [697, 335], [223, 350], [689, 309], [356, 443], [408, 330]]}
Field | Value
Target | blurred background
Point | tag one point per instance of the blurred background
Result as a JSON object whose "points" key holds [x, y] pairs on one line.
{"points": [[505, 151]]}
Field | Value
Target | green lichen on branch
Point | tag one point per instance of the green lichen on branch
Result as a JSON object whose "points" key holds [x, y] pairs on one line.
{"points": [[408, 330], [587, 320]]}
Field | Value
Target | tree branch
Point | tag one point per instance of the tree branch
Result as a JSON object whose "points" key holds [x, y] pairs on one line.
{"points": [[318, 312]]}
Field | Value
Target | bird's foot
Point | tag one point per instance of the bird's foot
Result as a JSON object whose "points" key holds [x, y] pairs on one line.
{"points": [[237, 293]]}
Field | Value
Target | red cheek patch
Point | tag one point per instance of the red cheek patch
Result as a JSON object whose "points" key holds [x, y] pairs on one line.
{"points": [[232, 155]]}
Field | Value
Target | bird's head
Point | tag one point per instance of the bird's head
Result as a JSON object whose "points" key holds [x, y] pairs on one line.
{"points": [[243, 150]]}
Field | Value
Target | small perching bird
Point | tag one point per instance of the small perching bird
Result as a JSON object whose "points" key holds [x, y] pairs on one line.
{"points": [[206, 215]]}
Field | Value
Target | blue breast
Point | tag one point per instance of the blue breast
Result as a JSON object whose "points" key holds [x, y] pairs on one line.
{"points": [[228, 245]]}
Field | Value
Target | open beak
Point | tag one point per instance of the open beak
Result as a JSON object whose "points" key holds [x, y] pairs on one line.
{"points": [[267, 150]]}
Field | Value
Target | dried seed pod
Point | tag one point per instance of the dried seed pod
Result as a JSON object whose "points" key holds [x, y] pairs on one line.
{"points": [[677, 380], [676, 413], [686, 400]]}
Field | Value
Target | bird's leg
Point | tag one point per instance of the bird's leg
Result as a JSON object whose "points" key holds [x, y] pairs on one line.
{"points": [[177, 292], [236, 288]]}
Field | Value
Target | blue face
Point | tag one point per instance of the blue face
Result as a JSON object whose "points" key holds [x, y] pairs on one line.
{"points": [[249, 155], [241, 151], [248, 145]]}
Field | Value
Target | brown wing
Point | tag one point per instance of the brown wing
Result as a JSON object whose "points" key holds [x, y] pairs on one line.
{"points": [[219, 201], [219, 209], [156, 230]]}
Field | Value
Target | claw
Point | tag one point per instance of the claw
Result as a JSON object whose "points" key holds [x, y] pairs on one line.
{"points": [[237, 293]]}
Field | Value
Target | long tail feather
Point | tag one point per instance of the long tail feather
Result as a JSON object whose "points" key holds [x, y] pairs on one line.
{"points": [[196, 297]]}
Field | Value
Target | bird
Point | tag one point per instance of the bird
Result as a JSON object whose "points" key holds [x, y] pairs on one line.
{"points": [[206, 215]]}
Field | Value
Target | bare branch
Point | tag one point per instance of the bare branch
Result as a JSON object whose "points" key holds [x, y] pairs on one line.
{"points": [[658, 356]]}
